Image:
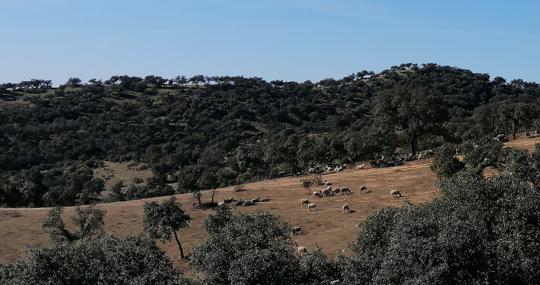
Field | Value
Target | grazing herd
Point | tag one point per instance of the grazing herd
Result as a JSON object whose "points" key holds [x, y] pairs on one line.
{"points": [[328, 190], [239, 202]]}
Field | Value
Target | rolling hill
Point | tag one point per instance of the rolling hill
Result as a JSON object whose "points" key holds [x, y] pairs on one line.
{"points": [[326, 228]]}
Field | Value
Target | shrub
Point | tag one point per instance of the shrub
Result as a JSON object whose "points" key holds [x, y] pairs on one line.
{"points": [[476, 232], [108, 260], [247, 249], [445, 163]]}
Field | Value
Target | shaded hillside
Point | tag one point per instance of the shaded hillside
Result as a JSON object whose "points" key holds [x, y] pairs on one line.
{"points": [[207, 132]]}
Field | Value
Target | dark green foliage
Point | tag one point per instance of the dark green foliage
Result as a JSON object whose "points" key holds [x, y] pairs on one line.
{"points": [[534, 166], [107, 260], [445, 162], [516, 162], [162, 221], [23, 189], [481, 154], [477, 232], [415, 112], [206, 131], [89, 222], [213, 224], [246, 249], [317, 268], [140, 191]]}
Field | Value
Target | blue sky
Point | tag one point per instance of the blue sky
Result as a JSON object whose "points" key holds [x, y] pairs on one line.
{"points": [[290, 40]]}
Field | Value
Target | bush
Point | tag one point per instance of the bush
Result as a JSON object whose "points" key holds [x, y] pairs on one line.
{"points": [[476, 232], [108, 260], [482, 154], [247, 249], [445, 163]]}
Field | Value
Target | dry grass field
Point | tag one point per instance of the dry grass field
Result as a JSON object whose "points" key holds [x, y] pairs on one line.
{"points": [[327, 228]]}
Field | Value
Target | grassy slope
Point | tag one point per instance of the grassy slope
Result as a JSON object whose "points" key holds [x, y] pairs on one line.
{"points": [[327, 228]]}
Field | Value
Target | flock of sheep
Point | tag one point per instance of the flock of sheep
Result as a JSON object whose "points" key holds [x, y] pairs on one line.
{"points": [[240, 202], [326, 191]]}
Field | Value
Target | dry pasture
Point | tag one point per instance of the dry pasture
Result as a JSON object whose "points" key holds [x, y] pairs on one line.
{"points": [[327, 228]]}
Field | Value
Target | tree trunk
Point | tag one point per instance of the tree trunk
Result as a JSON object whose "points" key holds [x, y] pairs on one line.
{"points": [[413, 145], [179, 245], [213, 193]]}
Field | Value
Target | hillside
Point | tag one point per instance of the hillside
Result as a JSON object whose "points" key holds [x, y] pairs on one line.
{"points": [[207, 132], [327, 228]]}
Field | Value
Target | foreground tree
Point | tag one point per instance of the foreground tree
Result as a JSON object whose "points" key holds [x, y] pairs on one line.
{"points": [[477, 232], [107, 260], [246, 249], [162, 221], [89, 222], [445, 162]]}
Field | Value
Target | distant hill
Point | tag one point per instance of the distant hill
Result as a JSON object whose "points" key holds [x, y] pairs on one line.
{"points": [[206, 132]]}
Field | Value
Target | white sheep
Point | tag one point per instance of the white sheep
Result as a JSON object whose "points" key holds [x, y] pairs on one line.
{"points": [[312, 207], [395, 193]]}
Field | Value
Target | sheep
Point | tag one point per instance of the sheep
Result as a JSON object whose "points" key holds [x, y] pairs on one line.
{"points": [[297, 230], [361, 166], [327, 192], [229, 200], [395, 193], [256, 200], [346, 209], [328, 188], [240, 203], [363, 188], [345, 191], [221, 204], [302, 250], [248, 203], [336, 191], [312, 207], [407, 203], [317, 194], [304, 202]]}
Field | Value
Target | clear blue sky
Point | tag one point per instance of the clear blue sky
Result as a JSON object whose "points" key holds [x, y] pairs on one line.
{"points": [[290, 39]]}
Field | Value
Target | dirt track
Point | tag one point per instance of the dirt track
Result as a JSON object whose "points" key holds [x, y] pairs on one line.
{"points": [[326, 228]]}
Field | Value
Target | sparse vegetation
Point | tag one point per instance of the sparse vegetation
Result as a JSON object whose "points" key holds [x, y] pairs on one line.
{"points": [[162, 221], [89, 222]]}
